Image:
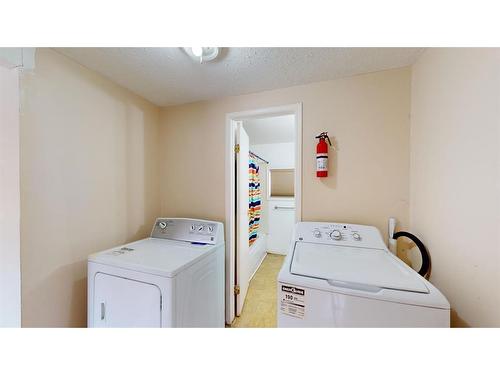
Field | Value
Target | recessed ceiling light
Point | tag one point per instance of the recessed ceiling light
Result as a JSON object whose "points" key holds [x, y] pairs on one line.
{"points": [[202, 54], [197, 51]]}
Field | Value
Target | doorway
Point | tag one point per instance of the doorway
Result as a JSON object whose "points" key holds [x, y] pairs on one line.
{"points": [[263, 199]]}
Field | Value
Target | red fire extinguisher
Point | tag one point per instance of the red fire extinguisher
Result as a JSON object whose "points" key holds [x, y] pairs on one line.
{"points": [[322, 155]]}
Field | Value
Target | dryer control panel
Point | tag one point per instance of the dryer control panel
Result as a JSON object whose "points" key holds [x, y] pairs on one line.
{"points": [[190, 230], [341, 234]]}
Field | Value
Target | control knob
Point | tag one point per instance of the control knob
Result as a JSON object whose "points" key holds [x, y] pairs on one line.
{"points": [[317, 233], [336, 235], [356, 236]]}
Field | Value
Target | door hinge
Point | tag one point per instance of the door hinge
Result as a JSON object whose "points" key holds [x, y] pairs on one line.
{"points": [[161, 302], [236, 290], [236, 148]]}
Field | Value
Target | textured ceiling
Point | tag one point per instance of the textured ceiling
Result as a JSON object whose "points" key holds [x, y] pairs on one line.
{"points": [[167, 76], [278, 129]]}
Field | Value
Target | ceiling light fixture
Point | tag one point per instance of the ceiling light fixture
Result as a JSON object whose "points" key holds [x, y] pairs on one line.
{"points": [[197, 51], [202, 54]]}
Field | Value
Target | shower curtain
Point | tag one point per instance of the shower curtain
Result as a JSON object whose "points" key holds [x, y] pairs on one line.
{"points": [[254, 200]]}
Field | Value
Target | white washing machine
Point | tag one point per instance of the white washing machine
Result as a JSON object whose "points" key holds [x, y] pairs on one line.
{"points": [[175, 278], [343, 275]]}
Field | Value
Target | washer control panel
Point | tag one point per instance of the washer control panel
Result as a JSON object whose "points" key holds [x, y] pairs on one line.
{"points": [[190, 230], [339, 234]]}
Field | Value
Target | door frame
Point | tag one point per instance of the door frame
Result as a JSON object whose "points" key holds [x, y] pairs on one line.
{"points": [[230, 177]]}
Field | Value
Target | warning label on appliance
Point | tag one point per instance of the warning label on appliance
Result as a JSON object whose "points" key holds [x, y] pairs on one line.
{"points": [[292, 301]]}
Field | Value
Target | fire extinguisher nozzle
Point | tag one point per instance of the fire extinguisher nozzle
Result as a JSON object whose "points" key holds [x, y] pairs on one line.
{"points": [[324, 136]]}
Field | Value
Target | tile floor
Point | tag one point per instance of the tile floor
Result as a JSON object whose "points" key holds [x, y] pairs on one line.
{"points": [[259, 309]]}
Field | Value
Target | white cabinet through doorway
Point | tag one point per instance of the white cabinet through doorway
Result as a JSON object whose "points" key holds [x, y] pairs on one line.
{"points": [[280, 224]]}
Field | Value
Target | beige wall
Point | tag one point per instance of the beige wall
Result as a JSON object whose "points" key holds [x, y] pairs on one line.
{"points": [[368, 115], [89, 181], [455, 176]]}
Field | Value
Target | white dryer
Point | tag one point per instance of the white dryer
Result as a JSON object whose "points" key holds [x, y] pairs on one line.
{"points": [[175, 278], [343, 275]]}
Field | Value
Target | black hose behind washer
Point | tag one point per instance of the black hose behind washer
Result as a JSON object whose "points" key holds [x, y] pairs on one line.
{"points": [[426, 262]]}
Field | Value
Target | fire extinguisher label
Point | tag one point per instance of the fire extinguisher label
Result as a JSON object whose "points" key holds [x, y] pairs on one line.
{"points": [[321, 162]]}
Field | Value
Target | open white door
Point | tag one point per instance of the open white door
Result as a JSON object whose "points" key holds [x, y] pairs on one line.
{"points": [[242, 247]]}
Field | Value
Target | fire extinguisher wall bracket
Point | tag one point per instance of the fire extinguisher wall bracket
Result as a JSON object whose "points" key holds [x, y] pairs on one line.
{"points": [[322, 155]]}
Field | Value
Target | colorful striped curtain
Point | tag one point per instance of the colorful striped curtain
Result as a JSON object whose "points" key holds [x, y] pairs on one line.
{"points": [[254, 200]]}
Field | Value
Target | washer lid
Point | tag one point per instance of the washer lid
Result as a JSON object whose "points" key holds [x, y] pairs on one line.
{"points": [[353, 267]]}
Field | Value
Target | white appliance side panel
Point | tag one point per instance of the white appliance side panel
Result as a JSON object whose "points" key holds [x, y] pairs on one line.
{"points": [[10, 253], [326, 309], [199, 293], [120, 302], [280, 225]]}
